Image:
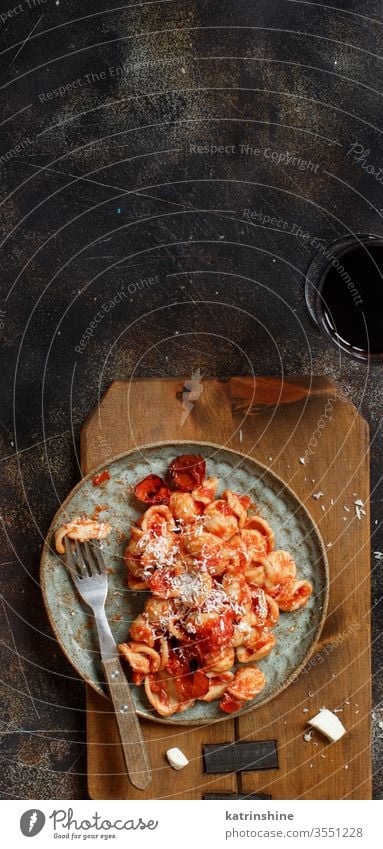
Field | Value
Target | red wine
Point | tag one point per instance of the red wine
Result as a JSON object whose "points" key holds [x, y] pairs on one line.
{"points": [[351, 300]]}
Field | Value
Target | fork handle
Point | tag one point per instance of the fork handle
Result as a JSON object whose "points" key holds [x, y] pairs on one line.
{"points": [[132, 741]]}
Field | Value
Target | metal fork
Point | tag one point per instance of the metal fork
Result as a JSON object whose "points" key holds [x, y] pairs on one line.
{"points": [[88, 571]]}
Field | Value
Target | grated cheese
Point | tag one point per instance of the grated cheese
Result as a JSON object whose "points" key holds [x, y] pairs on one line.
{"points": [[329, 724]]}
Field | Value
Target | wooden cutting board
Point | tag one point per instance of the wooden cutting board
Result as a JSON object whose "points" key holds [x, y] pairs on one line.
{"points": [[277, 422]]}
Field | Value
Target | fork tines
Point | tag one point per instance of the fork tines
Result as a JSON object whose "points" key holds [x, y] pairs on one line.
{"points": [[86, 559]]}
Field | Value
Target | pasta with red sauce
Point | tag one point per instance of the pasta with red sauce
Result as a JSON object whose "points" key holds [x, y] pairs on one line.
{"points": [[217, 585]]}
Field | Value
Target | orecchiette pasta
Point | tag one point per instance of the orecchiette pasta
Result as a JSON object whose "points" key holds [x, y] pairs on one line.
{"points": [[206, 492], [219, 661], [256, 523], [280, 569], [141, 630], [184, 507], [82, 529], [220, 520], [293, 595], [217, 686], [142, 658], [217, 586], [256, 646]]}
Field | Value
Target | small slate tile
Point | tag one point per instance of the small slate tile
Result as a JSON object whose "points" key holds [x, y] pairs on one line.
{"points": [[240, 757], [235, 796]]}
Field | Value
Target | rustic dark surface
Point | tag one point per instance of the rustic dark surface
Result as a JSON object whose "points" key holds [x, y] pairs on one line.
{"points": [[107, 197]]}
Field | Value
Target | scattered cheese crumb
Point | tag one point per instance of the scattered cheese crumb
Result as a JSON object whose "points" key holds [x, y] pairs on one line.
{"points": [[240, 436], [306, 710], [307, 736], [318, 494], [302, 460], [176, 758], [347, 509], [329, 544], [359, 509], [328, 724]]}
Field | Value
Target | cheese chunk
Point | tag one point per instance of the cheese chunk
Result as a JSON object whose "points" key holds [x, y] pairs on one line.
{"points": [[328, 724], [176, 758]]}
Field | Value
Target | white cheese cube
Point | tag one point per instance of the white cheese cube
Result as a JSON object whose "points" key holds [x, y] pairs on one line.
{"points": [[176, 758], [328, 724]]}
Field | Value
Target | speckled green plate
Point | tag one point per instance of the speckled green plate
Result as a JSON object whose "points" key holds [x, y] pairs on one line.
{"points": [[71, 619]]}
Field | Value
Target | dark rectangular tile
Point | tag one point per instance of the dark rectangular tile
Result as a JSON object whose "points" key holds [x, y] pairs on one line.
{"points": [[240, 757]]}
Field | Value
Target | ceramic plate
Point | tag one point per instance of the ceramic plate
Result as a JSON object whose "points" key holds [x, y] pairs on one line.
{"points": [[71, 620]]}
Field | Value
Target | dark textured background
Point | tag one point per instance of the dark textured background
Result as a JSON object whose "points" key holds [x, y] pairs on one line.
{"points": [[104, 192]]}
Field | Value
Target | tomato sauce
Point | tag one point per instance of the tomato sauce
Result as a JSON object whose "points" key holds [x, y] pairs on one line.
{"points": [[228, 704], [101, 478]]}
